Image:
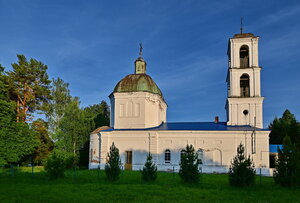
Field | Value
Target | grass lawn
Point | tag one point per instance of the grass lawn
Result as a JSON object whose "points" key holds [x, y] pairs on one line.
{"points": [[91, 186]]}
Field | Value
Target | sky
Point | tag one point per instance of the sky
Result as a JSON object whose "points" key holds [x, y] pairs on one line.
{"points": [[93, 44]]}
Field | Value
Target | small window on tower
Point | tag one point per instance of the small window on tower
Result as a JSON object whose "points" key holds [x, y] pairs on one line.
{"points": [[244, 56]]}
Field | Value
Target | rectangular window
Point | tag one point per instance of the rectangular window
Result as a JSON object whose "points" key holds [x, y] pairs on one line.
{"points": [[167, 156]]}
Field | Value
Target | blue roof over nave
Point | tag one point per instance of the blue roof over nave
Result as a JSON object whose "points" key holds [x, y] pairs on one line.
{"points": [[201, 126]]}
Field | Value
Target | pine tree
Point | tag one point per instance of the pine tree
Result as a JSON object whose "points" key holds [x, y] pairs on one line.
{"points": [[113, 165], [149, 172], [287, 168], [241, 171], [189, 164], [29, 87]]}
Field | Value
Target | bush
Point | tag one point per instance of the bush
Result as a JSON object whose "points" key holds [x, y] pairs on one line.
{"points": [[113, 165], [149, 172], [57, 163], [241, 171], [189, 164], [287, 167]]}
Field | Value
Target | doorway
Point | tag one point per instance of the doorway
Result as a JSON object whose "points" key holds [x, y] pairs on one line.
{"points": [[128, 160]]}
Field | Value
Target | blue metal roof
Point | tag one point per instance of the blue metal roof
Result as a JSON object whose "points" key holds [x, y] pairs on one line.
{"points": [[273, 148], [201, 126]]}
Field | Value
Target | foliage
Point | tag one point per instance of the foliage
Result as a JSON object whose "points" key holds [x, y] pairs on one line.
{"points": [[46, 144], [56, 107], [29, 86], [99, 113], [96, 115], [287, 167], [57, 163], [241, 172], [189, 164], [73, 129], [286, 125], [149, 172], [113, 165], [17, 140]]}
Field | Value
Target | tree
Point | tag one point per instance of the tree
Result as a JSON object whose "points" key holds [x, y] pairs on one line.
{"points": [[113, 164], [57, 163], [99, 113], [73, 130], [96, 115], [17, 140], [287, 167], [60, 98], [149, 172], [241, 172], [29, 86], [286, 125], [189, 164], [46, 144]]}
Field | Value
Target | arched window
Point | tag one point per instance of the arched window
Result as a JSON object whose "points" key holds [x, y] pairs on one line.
{"points": [[244, 56], [201, 156], [167, 156], [244, 85]]}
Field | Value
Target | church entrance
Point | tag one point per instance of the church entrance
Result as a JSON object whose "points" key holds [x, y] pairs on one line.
{"points": [[128, 161]]}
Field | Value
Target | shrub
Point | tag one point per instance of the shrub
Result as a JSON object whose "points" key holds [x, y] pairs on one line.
{"points": [[57, 163], [189, 164], [149, 172], [241, 172], [287, 167], [113, 165]]}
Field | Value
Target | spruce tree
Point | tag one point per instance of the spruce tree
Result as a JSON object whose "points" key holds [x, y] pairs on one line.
{"points": [[241, 171], [287, 167], [113, 165], [149, 172], [189, 164]]}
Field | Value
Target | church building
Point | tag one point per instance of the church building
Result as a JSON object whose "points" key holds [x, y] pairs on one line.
{"points": [[139, 125]]}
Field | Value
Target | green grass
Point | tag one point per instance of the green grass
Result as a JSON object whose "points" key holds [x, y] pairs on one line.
{"points": [[91, 186]]}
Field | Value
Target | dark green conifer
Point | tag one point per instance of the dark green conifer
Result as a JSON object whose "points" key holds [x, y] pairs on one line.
{"points": [[149, 172], [113, 165]]}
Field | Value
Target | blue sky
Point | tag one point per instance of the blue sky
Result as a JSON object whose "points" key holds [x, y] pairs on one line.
{"points": [[93, 44]]}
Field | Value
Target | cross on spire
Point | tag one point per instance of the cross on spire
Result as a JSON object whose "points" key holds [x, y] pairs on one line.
{"points": [[241, 25], [141, 49]]}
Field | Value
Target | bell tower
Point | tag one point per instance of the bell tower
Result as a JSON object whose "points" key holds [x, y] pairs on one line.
{"points": [[244, 101]]}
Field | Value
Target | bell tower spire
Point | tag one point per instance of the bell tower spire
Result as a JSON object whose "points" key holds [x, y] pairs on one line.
{"points": [[140, 63]]}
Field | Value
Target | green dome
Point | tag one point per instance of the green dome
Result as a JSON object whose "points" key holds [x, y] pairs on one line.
{"points": [[137, 83]]}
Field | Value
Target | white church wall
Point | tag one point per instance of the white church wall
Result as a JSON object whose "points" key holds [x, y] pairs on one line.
{"points": [[219, 147]]}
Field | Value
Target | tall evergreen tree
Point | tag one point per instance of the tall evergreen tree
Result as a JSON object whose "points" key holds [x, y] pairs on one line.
{"points": [[29, 86], [286, 125], [241, 172], [287, 167], [189, 164], [113, 164]]}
